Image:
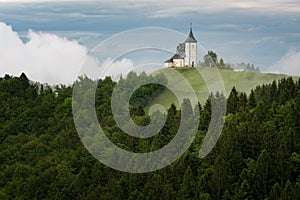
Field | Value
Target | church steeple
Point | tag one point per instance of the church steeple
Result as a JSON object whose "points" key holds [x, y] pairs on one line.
{"points": [[191, 38], [190, 49]]}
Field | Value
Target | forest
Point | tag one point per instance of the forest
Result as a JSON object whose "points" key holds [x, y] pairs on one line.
{"points": [[42, 156]]}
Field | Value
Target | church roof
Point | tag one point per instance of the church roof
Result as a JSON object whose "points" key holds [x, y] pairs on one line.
{"points": [[176, 56], [191, 38]]}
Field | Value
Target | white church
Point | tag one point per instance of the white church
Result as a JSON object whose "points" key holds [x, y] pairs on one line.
{"points": [[186, 55]]}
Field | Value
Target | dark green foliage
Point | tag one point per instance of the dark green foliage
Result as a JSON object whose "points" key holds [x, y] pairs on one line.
{"points": [[188, 185], [252, 100], [145, 93], [211, 59], [233, 103], [42, 157], [275, 192], [181, 49], [288, 193]]}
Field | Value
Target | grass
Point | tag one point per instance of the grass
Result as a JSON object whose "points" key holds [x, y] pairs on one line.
{"points": [[243, 81]]}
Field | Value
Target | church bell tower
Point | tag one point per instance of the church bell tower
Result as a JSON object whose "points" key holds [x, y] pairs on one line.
{"points": [[190, 50]]}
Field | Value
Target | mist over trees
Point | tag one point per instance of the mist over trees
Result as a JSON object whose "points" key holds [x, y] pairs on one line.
{"points": [[42, 157], [211, 60]]}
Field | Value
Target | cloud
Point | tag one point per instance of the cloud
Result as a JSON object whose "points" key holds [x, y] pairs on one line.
{"points": [[171, 8], [117, 68], [44, 58], [168, 8], [48, 58], [289, 64], [109, 67]]}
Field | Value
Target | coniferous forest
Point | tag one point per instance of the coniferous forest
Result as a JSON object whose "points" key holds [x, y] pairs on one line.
{"points": [[42, 157]]}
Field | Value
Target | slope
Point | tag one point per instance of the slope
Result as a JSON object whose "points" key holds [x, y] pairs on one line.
{"points": [[243, 81]]}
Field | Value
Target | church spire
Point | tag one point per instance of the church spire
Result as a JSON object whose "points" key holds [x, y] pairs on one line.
{"points": [[191, 38]]}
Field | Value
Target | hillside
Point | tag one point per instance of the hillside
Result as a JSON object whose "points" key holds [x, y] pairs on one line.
{"points": [[43, 155], [243, 81]]}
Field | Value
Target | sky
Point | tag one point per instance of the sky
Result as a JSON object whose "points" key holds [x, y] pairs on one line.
{"points": [[49, 40]]}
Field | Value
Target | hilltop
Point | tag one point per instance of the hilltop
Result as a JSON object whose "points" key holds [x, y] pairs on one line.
{"points": [[242, 81]]}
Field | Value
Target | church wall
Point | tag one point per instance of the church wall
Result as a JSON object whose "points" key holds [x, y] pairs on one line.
{"points": [[178, 62], [169, 64], [191, 54]]}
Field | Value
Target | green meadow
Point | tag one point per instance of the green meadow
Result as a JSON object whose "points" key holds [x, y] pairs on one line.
{"points": [[200, 79]]}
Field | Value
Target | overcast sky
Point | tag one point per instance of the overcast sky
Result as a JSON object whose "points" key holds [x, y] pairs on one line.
{"points": [[46, 39]]}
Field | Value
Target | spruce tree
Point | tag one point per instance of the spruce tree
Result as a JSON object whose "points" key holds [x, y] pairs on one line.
{"points": [[233, 101], [275, 192]]}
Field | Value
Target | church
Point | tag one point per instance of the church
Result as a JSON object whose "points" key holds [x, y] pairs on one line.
{"points": [[186, 55]]}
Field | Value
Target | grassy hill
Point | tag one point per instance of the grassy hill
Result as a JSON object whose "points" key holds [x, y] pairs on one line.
{"points": [[243, 81]]}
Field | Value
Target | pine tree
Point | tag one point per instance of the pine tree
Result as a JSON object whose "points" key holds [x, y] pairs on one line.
{"points": [[243, 101], [275, 192], [274, 92], [205, 116], [263, 174], [252, 100], [154, 188], [187, 189], [233, 101], [288, 192], [226, 196], [220, 176], [244, 191], [24, 80]]}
